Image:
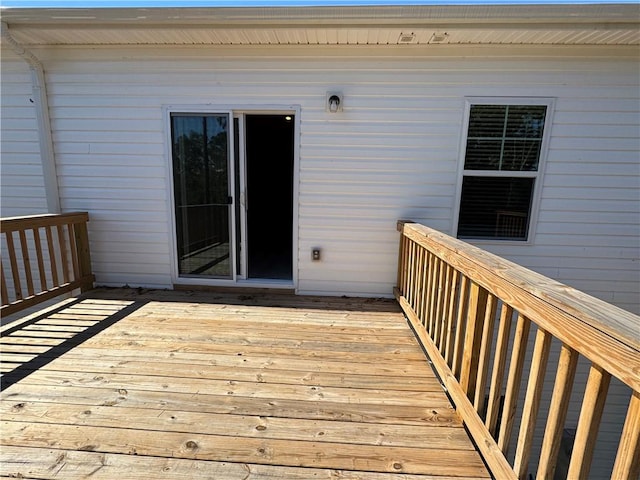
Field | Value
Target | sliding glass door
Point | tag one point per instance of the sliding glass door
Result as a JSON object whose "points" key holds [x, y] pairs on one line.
{"points": [[201, 154]]}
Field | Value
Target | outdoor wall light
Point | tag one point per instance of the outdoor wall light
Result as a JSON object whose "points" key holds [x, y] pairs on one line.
{"points": [[334, 102]]}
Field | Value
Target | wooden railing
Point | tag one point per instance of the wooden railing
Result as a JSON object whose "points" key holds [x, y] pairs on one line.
{"points": [[48, 255], [461, 300]]}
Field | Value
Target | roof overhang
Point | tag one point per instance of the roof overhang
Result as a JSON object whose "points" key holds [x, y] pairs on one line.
{"points": [[520, 24]]}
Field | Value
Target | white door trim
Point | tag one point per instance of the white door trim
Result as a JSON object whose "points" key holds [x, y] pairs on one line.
{"points": [[234, 110]]}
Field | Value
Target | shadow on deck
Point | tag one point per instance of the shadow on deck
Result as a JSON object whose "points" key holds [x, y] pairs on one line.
{"points": [[151, 384]]}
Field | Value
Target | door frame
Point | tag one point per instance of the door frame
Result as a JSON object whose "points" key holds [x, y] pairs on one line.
{"points": [[234, 111]]}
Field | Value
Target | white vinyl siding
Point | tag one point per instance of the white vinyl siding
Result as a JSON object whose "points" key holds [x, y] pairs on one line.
{"points": [[22, 183], [392, 153]]}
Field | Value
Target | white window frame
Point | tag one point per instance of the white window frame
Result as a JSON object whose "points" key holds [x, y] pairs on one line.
{"points": [[538, 175]]}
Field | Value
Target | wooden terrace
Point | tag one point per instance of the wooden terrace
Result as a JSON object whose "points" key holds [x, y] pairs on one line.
{"points": [[122, 383], [195, 385]]}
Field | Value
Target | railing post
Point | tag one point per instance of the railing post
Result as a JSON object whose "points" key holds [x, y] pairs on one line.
{"points": [[84, 255]]}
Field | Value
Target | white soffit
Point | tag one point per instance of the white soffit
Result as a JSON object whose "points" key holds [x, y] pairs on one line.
{"points": [[602, 24]]}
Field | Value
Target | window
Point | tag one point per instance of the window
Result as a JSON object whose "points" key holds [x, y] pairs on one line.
{"points": [[503, 153]]}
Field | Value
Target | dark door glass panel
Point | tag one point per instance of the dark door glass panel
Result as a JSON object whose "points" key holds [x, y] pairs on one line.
{"points": [[200, 152]]}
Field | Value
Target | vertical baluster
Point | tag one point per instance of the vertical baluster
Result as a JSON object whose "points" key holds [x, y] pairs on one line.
{"points": [[433, 294], [497, 372], [401, 261], [64, 259], [416, 276], [485, 351], [13, 261], [426, 290], [463, 302], [426, 285], [407, 267], [472, 340], [24, 247], [532, 401], [3, 285], [513, 382], [627, 464], [417, 304], [407, 280], [595, 396], [40, 258], [423, 278], [557, 412], [455, 293], [446, 298], [73, 251], [437, 318], [52, 256], [408, 292]]}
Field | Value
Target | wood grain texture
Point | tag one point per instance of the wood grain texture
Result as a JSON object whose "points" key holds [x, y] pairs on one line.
{"points": [[491, 452], [532, 402], [557, 412], [62, 464], [28, 229], [595, 396], [237, 388], [605, 334], [628, 458]]}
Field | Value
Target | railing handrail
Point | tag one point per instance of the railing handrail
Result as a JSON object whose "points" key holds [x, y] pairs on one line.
{"points": [[455, 296], [62, 265], [26, 222], [603, 333], [616, 322]]}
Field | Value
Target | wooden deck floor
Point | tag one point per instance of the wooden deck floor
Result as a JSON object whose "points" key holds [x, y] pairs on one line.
{"points": [[127, 385]]}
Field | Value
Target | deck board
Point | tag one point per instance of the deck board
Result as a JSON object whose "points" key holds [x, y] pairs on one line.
{"points": [[161, 384]]}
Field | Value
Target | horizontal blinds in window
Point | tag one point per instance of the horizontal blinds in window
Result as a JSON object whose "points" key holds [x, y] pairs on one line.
{"points": [[504, 137]]}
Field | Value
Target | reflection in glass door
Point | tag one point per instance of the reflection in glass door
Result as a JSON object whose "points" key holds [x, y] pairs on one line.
{"points": [[201, 172]]}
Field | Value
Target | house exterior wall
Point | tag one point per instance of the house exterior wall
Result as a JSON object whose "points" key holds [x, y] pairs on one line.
{"points": [[21, 180], [392, 153]]}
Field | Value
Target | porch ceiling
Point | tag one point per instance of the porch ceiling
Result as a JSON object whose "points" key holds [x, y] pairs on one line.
{"points": [[617, 24]]}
